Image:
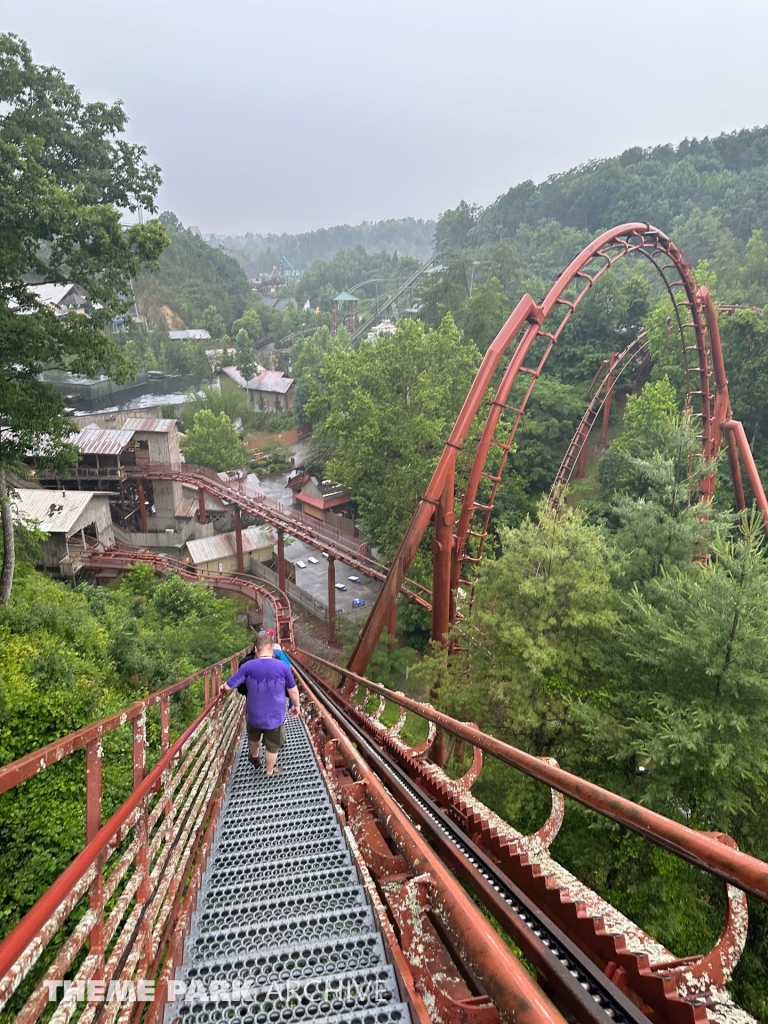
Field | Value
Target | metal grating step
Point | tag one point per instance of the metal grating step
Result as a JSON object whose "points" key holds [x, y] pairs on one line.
{"points": [[266, 846], [263, 822], [299, 999], [259, 938], [283, 931], [226, 872], [290, 962], [226, 891], [242, 913]]}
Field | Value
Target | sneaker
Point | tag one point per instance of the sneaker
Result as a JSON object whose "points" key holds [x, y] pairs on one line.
{"points": [[277, 770]]}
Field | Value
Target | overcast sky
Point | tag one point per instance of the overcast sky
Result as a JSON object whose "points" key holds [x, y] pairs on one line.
{"points": [[288, 115]]}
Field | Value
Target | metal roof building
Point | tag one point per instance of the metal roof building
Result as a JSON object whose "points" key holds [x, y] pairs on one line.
{"points": [[69, 519], [93, 440], [219, 554]]}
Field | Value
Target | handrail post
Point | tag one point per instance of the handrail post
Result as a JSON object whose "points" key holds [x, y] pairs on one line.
{"points": [[165, 723], [93, 757], [142, 832]]}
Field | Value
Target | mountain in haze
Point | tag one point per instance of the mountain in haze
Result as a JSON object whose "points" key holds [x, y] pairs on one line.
{"points": [[259, 253], [701, 191]]}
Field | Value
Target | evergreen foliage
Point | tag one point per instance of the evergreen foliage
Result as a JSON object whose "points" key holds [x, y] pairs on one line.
{"points": [[67, 658], [201, 286], [214, 443]]}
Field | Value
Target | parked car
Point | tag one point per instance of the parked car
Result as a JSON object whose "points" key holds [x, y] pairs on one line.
{"points": [[355, 579], [341, 586], [312, 560], [302, 565]]}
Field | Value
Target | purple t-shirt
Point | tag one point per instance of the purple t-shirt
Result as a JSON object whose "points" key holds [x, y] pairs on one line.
{"points": [[268, 681]]}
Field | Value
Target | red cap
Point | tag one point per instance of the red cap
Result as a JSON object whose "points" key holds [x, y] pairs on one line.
{"points": [[271, 632]]}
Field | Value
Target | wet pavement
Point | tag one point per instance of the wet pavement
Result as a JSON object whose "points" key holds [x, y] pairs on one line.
{"points": [[314, 577]]}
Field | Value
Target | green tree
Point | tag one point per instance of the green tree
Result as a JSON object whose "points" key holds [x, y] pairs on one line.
{"points": [[385, 410], [307, 360], [691, 704], [649, 427], [67, 177], [213, 322], [485, 313], [250, 322], [538, 634], [213, 442], [245, 360], [227, 398]]}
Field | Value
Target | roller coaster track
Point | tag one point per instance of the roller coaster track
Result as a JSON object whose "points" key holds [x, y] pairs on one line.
{"points": [[625, 359], [357, 887], [332, 542], [484, 433], [387, 303]]}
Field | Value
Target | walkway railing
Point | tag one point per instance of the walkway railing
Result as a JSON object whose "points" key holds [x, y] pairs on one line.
{"points": [[113, 923]]}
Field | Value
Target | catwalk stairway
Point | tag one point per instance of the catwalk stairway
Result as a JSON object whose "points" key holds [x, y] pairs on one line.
{"points": [[283, 930]]}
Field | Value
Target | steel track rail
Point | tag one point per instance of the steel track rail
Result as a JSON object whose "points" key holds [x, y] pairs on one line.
{"points": [[572, 978]]}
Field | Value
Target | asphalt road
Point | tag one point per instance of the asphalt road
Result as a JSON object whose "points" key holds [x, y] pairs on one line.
{"points": [[314, 578]]}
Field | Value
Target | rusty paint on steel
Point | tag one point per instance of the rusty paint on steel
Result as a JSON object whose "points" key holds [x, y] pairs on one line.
{"points": [[513, 991], [334, 543], [31, 764], [733, 866], [21, 947]]}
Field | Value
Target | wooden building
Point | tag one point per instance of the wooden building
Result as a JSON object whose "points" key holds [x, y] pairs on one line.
{"points": [[70, 520]]}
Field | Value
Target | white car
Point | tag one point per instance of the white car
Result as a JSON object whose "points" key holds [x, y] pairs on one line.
{"points": [[312, 560], [355, 579], [324, 554], [302, 565], [341, 586]]}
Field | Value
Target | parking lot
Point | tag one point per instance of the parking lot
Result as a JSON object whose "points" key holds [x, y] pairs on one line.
{"points": [[314, 578]]}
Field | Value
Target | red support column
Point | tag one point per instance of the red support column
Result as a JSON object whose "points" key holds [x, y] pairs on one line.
{"points": [[239, 541], [142, 507], [201, 504], [392, 626], [281, 559], [331, 601], [442, 546], [733, 461], [608, 398], [740, 437], [581, 464]]}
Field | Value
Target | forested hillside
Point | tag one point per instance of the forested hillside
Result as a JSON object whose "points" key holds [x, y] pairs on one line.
{"points": [[714, 185], [409, 236], [190, 278]]}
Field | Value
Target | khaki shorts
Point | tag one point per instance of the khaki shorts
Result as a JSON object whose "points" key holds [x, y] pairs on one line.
{"points": [[273, 738]]}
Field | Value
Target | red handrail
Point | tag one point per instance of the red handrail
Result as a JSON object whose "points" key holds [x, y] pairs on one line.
{"points": [[732, 865]]}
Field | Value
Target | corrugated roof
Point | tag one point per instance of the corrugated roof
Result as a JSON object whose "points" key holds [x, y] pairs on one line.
{"points": [[273, 381], [208, 549], [322, 503], [149, 425], [93, 440], [56, 511], [196, 334], [190, 504]]}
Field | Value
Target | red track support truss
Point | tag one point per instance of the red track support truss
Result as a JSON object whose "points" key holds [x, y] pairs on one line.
{"points": [[537, 329]]}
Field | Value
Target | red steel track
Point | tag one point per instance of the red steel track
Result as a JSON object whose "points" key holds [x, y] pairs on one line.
{"points": [[120, 911], [462, 520], [333, 542]]}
